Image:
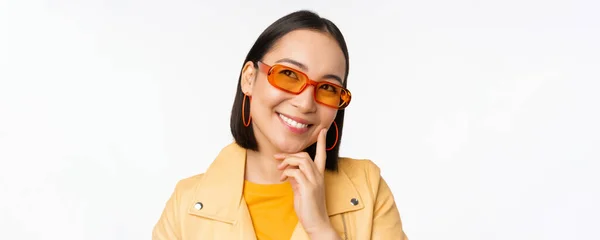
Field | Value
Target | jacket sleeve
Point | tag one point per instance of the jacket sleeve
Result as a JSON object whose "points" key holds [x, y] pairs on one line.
{"points": [[386, 217], [168, 226]]}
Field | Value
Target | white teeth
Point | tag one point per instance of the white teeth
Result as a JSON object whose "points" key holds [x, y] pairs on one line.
{"points": [[292, 122]]}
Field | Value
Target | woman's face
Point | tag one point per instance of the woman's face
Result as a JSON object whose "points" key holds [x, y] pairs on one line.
{"points": [[287, 122]]}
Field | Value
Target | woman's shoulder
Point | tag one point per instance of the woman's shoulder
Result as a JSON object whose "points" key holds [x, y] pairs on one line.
{"points": [[190, 181], [358, 166], [186, 187], [361, 172]]}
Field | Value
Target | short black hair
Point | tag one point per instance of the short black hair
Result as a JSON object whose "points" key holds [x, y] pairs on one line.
{"points": [[303, 19]]}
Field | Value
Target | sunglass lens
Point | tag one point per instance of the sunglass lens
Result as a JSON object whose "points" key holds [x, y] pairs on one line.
{"points": [[287, 79]]}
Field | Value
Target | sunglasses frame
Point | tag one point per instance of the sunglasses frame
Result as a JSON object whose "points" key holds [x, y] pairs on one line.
{"points": [[267, 69]]}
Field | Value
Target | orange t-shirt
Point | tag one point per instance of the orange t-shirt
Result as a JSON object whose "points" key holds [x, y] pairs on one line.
{"points": [[271, 208]]}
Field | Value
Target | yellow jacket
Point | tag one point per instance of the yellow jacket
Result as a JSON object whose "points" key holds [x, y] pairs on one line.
{"points": [[210, 205]]}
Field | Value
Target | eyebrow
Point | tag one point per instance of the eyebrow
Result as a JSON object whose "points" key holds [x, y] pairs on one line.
{"points": [[303, 67]]}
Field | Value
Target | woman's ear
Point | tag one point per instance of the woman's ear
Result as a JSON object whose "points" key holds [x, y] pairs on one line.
{"points": [[249, 73]]}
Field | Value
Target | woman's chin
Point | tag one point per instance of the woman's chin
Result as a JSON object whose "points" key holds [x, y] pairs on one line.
{"points": [[288, 147]]}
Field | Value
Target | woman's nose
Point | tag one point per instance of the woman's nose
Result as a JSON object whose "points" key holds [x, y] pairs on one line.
{"points": [[305, 101]]}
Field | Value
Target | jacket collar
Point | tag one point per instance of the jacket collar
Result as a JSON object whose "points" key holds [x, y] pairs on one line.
{"points": [[220, 190]]}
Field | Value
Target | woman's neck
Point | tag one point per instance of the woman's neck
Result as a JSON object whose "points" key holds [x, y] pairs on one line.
{"points": [[261, 166]]}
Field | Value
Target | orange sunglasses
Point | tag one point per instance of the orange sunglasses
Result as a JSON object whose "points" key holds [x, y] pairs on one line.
{"points": [[294, 81]]}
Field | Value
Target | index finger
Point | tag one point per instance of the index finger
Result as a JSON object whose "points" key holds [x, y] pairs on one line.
{"points": [[321, 154]]}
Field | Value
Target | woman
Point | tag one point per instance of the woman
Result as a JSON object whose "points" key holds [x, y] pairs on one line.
{"points": [[282, 177]]}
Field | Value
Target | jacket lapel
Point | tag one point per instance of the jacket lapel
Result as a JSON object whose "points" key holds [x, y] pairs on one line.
{"points": [[245, 227], [339, 192], [221, 188]]}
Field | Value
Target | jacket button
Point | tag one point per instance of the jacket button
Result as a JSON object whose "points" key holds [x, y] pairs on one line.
{"points": [[354, 201], [198, 206]]}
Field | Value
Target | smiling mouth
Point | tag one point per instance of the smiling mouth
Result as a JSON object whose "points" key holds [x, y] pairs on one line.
{"points": [[292, 123]]}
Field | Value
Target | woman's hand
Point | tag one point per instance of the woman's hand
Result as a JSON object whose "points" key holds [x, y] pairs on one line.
{"points": [[307, 179]]}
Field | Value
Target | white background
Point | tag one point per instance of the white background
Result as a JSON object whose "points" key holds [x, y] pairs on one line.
{"points": [[483, 115]]}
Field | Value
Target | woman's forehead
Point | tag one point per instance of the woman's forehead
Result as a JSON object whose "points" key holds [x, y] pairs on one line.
{"points": [[315, 52]]}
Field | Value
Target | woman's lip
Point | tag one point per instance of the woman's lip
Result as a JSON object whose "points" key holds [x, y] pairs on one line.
{"points": [[293, 129], [298, 120]]}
